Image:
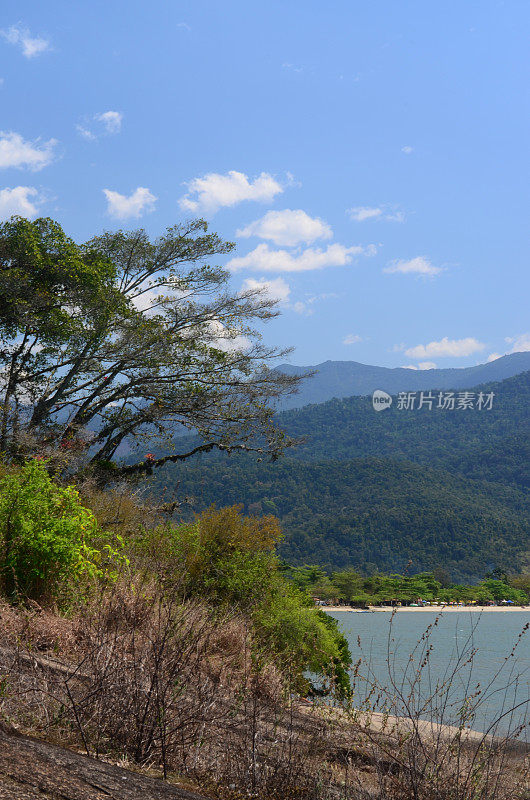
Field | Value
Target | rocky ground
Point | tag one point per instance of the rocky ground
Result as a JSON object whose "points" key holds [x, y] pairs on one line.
{"points": [[31, 769]]}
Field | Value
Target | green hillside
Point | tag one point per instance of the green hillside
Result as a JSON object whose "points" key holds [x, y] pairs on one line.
{"points": [[389, 491], [486, 444], [371, 513]]}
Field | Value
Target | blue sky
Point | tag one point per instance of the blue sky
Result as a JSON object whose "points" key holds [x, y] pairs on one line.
{"points": [[370, 159]]}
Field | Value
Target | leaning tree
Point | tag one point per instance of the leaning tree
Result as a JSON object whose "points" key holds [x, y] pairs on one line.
{"points": [[125, 341]]}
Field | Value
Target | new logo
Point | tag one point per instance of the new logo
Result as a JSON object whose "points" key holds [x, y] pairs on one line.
{"points": [[381, 400]]}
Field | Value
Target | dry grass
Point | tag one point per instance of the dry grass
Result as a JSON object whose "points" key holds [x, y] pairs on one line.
{"points": [[140, 677]]}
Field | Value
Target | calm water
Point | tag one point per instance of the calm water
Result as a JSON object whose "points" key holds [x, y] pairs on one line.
{"points": [[491, 634]]}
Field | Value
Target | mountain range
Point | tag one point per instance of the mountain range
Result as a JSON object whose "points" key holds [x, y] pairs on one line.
{"points": [[348, 378]]}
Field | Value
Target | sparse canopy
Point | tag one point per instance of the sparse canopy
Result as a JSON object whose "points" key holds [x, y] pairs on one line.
{"points": [[127, 340]]}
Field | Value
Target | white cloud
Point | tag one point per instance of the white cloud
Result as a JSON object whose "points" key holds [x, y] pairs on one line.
{"points": [[301, 308], [457, 348], [276, 289], [466, 347], [407, 149], [288, 228], [414, 266], [184, 25], [293, 67], [292, 181], [136, 204], [279, 290], [307, 306], [225, 338], [111, 120], [146, 300], [520, 344], [352, 338], [263, 259], [214, 191], [16, 152], [152, 300], [31, 46], [363, 213], [18, 201], [324, 296], [421, 365], [85, 133]]}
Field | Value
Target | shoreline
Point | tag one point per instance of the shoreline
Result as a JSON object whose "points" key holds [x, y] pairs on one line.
{"points": [[452, 609], [378, 722]]}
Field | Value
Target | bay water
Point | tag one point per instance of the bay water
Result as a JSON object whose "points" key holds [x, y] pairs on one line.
{"points": [[392, 648]]}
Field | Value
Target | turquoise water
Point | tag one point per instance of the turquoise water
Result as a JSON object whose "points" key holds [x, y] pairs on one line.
{"points": [[503, 682]]}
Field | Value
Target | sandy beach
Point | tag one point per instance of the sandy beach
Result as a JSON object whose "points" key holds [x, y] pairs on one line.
{"points": [[377, 722], [445, 609]]}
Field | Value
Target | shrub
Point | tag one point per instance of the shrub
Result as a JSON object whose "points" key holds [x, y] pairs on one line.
{"points": [[230, 560], [44, 536]]}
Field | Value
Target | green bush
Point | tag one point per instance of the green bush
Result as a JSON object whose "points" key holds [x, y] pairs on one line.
{"points": [[230, 559], [45, 536], [304, 638]]}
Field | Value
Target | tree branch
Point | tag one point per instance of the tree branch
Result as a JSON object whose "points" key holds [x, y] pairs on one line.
{"points": [[149, 464]]}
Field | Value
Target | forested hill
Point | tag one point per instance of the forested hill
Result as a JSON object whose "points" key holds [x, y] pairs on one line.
{"points": [[492, 444], [372, 513], [390, 490], [348, 378]]}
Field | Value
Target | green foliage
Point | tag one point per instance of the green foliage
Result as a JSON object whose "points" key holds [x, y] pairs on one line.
{"points": [[230, 559], [124, 338], [45, 536], [52, 548], [304, 638], [521, 582], [372, 514], [43, 273], [500, 590], [400, 490], [360, 590], [487, 445], [205, 552]]}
